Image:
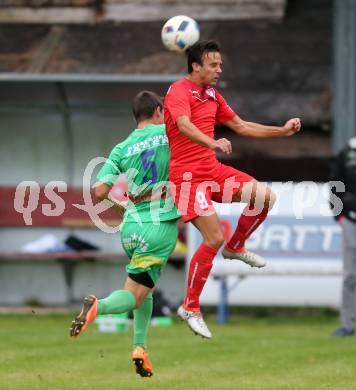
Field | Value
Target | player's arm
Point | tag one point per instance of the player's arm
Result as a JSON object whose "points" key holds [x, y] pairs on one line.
{"points": [[186, 127], [256, 130], [102, 192], [177, 103], [106, 178]]}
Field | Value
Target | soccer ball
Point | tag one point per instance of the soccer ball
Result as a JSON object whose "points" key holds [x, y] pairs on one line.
{"points": [[180, 32]]}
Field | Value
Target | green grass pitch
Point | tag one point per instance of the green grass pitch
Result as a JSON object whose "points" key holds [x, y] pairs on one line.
{"points": [[268, 353]]}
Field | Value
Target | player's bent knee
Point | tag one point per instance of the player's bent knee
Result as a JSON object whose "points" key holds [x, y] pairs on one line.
{"points": [[140, 297], [216, 241], [138, 302]]}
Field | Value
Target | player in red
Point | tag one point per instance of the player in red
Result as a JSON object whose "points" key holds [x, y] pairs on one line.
{"points": [[192, 107]]}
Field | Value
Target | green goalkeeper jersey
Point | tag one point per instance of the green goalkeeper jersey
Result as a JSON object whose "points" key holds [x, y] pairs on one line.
{"points": [[144, 159]]}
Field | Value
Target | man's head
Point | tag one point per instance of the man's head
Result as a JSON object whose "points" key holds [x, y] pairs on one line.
{"points": [[146, 106], [204, 62]]}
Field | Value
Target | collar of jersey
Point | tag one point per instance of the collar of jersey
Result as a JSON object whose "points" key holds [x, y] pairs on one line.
{"points": [[197, 85], [146, 127]]}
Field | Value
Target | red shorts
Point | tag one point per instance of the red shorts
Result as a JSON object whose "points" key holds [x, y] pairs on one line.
{"points": [[194, 189]]}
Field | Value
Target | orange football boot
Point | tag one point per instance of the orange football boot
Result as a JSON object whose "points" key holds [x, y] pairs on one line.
{"points": [[142, 362], [85, 317]]}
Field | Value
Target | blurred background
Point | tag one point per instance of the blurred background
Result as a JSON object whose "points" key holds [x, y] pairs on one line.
{"points": [[68, 72]]}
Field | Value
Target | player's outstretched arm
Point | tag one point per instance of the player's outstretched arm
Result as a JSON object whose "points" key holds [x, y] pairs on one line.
{"points": [[255, 130], [186, 127]]}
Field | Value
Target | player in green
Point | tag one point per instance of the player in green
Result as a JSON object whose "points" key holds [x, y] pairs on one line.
{"points": [[148, 231]]}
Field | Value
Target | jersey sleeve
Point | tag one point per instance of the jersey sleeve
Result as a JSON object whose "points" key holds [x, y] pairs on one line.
{"points": [[176, 102], [224, 112], [111, 169]]}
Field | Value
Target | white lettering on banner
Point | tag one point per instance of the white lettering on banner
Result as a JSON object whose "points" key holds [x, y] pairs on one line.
{"points": [[329, 233], [301, 233], [296, 239], [276, 234]]}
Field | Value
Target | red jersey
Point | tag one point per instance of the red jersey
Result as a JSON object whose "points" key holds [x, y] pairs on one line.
{"points": [[205, 107]]}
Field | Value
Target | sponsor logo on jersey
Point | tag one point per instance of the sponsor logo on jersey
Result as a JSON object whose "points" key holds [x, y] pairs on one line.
{"points": [[196, 95], [208, 93], [149, 143], [211, 92]]}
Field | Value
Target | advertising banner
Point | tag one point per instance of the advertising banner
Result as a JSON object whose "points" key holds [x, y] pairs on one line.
{"points": [[301, 242]]}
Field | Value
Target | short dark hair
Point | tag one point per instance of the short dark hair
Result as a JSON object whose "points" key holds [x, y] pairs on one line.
{"points": [[144, 105], [196, 52]]}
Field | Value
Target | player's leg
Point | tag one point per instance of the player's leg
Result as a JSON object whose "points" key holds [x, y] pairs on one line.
{"points": [[260, 199], [142, 320], [238, 186], [134, 240], [195, 205], [160, 242], [119, 301], [202, 260], [199, 269]]}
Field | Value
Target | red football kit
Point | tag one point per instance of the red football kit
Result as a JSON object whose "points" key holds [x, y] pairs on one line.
{"points": [[197, 176]]}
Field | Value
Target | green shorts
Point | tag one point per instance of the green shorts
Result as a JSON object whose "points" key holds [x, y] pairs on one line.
{"points": [[149, 246]]}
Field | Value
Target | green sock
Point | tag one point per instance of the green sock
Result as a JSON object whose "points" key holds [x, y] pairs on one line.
{"points": [[142, 320], [119, 301]]}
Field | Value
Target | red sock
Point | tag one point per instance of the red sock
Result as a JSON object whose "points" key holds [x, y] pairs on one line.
{"points": [[246, 226], [199, 270]]}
